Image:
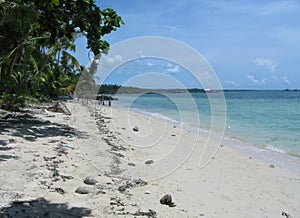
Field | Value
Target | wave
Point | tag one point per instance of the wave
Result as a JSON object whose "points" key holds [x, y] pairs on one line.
{"points": [[156, 115], [276, 149]]}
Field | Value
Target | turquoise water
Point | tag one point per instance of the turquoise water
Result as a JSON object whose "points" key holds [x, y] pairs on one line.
{"points": [[268, 119]]}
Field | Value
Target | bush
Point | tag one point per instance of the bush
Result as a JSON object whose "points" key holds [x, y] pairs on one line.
{"points": [[12, 102]]}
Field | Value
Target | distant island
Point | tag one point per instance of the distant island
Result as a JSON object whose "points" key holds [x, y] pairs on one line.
{"points": [[117, 89], [111, 89], [295, 90]]}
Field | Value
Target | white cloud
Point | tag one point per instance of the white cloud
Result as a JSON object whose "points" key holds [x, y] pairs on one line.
{"points": [[169, 65], [269, 64], [150, 64], [232, 83], [286, 81], [266, 62], [207, 80], [140, 54], [252, 79], [172, 69], [112, 61]]}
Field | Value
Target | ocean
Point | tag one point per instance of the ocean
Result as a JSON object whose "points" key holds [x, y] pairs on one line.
{"points": [[263, 119]]}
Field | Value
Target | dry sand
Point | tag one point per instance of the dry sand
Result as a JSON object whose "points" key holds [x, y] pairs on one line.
{"points": [[52, 153]]}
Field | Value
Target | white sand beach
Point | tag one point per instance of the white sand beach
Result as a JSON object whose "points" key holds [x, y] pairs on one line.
{"points": [[46, 156]]}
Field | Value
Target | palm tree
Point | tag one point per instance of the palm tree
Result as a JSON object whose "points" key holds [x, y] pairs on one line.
{"points": [[35, 40]]}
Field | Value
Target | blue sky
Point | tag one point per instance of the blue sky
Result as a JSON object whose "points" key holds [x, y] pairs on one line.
{"points": [[250, 44]]}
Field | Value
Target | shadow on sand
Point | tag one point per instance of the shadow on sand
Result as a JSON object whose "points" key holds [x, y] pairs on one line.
{"points": [[4, 157], [31, 128], [40, 207]]}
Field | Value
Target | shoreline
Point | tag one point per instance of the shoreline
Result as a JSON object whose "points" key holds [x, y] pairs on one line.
{"points": [[286, 160], [228, 162], [101, 143], [255, 125]]}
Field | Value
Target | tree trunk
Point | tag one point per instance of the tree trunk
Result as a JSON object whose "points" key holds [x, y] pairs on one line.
{"points": [[25, 72], [11, 69]]}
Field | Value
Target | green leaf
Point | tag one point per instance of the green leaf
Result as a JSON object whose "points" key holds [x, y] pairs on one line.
{"points": [[43, 79], [55, 2]]}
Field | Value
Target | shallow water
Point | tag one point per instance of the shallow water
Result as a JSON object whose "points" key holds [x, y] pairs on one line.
{"points": [[266, 119]]}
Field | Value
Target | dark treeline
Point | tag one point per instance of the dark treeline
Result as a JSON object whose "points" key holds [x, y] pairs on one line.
{"points": [[117, 89]]}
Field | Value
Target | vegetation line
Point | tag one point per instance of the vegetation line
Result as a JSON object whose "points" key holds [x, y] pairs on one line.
{"points": [[35, 40]]}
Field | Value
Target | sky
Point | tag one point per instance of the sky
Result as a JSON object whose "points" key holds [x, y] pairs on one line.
{"points": [[249, 44]]}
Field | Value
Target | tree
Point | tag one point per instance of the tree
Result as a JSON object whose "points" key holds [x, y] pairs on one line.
{"points": [[35, 37]]}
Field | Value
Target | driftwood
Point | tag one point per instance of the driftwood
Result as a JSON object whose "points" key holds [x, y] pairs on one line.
{"points": [[59, 107], [286, 215]]}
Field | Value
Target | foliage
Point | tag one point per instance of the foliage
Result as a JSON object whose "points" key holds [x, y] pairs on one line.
{"points": [[35, 39], [12, 101]]}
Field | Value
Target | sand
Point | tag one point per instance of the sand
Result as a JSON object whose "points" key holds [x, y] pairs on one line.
{"points": [[50, 154]]}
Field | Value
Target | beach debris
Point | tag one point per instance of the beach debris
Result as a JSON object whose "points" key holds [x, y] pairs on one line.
{"points": [[64, 178], [172, 204], [101, 191], [115, 179], [118, 154], [114, 167], [137, 182], [59, 190], [48, 158], [122, 188], [116, 201], [83, 190], [90, 180], [11, 140], [136, 129], [59, 107], [66, 145], [272, 166], [131, 164], [131, 184], [70, 138], [149, 213], [287, 215], [167, 200], [147, 192], [11, 195], [114, 147], [61, 150], [149, 162], [53, 141]]}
